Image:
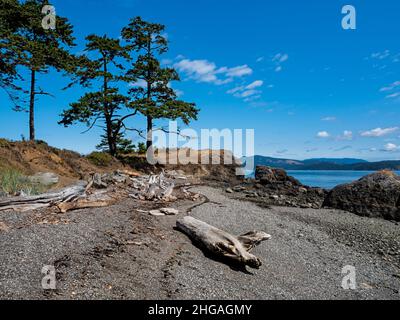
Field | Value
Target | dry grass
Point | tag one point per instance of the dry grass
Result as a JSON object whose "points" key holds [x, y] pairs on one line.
{"points": [[13, 181]]}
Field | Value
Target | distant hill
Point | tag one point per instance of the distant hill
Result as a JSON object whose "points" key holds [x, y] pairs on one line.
{"points": [[334, 160], [326, 164]]}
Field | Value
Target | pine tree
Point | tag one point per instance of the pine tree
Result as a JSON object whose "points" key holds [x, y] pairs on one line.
{"points": [[155, 99], [123, 145], [10, 21], [36, 49], [107, 104]]}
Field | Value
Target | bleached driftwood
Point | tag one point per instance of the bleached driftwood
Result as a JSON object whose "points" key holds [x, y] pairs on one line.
{"points": [[222, 243], [81, 204], [93, 199], [153, 187], [44, 200]]}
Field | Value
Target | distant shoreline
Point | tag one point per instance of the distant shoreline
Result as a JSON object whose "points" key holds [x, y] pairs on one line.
{"points": [[323, 164], [327, 179]]}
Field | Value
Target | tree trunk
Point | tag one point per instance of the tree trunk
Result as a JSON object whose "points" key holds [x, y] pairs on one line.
{"points": [[112, 147], [149, 132], [149, 142], [32, 108], [111, 140]]}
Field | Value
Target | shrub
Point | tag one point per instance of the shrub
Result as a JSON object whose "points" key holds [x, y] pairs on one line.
{"points": [[4, 143], [100, 159], [142, 149]]}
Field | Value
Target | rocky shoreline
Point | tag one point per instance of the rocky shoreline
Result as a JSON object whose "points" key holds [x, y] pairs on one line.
{"points": [[276, 188], [376, 195]]}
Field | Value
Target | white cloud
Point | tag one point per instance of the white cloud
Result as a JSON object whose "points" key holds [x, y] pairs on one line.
{"points": [[201, 70], [247, 91], [393, 86], [278, 60], [208, 72], [255, 84], [347, 135], [393, 95], [260, 59], [329, 119], [323, 134], [390, 147], [280, 57], [239, 71], [390, 86], [179, 93], [379, 132], [381, 55], [139, 83]]}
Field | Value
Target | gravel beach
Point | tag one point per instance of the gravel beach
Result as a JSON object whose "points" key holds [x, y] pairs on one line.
{"points": [[120, 252]]}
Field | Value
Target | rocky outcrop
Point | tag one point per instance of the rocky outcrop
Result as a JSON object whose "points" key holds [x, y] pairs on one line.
{"points": [[275, 187], [268, 175], [376, 195]]}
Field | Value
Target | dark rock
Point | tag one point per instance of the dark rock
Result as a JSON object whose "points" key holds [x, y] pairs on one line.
{"points": [[376, 195], [267, 175], [275, 187]]}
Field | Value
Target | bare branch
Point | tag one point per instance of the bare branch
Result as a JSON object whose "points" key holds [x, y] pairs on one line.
{"points": [[91, 126]]}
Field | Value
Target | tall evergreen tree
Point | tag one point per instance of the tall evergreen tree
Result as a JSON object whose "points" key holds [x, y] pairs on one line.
{"points": [[105, 105], [155, 99], [37, 49], [10, 21]]}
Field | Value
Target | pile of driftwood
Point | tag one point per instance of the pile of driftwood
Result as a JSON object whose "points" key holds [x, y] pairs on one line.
{"points": [[102, 190], [153, 187]]}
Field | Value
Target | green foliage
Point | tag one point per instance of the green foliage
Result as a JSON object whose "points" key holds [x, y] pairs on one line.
{"points": [[100, 159], [104, 106], [9, 22], [4, 143], [13, 181], [156, 99], [25, 43], [141, 149], [124, 146]]}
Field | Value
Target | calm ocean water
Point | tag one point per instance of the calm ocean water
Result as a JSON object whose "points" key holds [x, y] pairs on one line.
{"points": [[327, 179]]}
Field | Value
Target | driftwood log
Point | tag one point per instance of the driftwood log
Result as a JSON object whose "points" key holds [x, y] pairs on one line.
{"points": [[82, 204], [44, 200], [222, 243]]}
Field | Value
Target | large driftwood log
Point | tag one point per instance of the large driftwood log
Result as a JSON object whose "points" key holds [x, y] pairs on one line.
{"points": [[222, 243], [44, 200], [82, 204]]}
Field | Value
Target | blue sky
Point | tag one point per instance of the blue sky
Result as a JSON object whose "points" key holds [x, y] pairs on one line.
{"points": [[284, 68]]}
